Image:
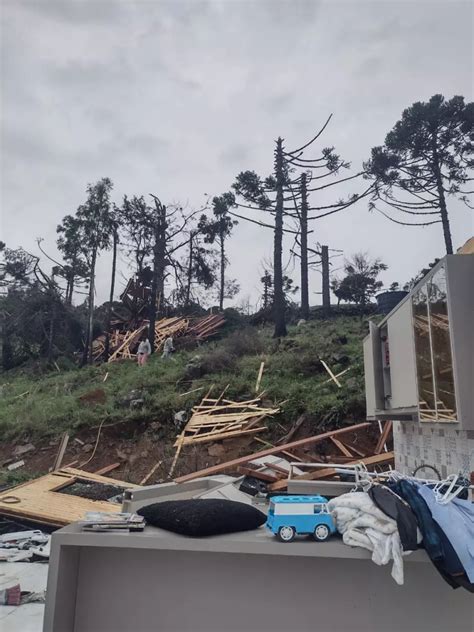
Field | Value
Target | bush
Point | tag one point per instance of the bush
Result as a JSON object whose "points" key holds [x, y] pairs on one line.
{"points": [[244, 342]]}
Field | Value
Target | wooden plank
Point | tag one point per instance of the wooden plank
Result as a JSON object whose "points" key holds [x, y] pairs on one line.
{"points": [[334, 378], [150, 473], [262, 476], [220, 437], [341, 447], [377, 459], [178, 450], [259, 376], [276, 468], [194, 390], [40, 500], [107, 469], [275, 450], [296, 426], [383, 437], [337, 375], [62, 450], [352, 448], [291, 456]]}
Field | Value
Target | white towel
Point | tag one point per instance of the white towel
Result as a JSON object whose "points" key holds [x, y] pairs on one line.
{"points": [[363, 524]]}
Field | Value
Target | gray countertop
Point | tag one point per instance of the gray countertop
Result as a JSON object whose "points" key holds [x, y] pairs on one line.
{"points": [[257, 542]]}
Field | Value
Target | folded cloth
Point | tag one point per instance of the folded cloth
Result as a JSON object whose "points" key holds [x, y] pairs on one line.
{"points": [[363, 524], [456, 519]]}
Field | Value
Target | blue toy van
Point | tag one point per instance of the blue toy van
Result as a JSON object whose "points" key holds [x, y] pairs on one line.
{"points": [[289, 516]]}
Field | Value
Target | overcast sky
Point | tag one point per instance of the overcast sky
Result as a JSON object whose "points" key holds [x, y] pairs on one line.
{"points": [[175, 98]]}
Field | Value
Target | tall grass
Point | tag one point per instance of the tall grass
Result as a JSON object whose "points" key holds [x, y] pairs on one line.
{"points": [[47, 405]]}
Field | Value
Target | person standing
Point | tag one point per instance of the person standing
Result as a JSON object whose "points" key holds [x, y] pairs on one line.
{"points": [[168, 347], [144, 350]]}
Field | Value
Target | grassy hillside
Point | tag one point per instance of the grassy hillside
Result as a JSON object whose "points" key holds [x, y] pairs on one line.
{"points": [[43, 406]]}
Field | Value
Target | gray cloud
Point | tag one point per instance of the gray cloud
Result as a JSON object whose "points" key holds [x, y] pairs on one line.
{"points": [[176, 97], [75, 11]]}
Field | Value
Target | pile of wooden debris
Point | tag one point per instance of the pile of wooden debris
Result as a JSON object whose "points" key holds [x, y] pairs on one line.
{"points": [[218, 419], [123, 342], [364, 443]]}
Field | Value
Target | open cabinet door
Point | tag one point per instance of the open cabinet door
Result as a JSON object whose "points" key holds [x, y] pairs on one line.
{"points": [[374, 391]]}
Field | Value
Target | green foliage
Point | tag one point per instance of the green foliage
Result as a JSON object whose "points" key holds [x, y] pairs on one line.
{"points": [[360, 283], [34, 405], [428, 155]]}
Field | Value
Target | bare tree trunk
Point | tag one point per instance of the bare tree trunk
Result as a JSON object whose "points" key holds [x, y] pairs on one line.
{"points": [[325, 273], [52, 328], [87, 354], [278, 295], [190, 272], [159, 253], [442, 200], [266, 288], [111, 296], [304, 249], [70, 283], [222, 282]]}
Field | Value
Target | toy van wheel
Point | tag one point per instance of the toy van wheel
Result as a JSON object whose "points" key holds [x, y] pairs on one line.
{"points": [[321, 533], [286, 534]]}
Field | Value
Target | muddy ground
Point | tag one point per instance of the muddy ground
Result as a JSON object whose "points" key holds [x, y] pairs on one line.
{"points": [[138, 446]]}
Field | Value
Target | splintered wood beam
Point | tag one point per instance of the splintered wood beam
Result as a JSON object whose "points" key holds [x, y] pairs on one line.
{"points": [[150, 473], [357, 451], [259, 376], [178, 450], [383, 437], [262, 476], [341, 447], [334, 378], [62, 450], [294, 429], [337, 375], [274, 450], [377, 459], [217, 436], [107, 469], [291, 456]]}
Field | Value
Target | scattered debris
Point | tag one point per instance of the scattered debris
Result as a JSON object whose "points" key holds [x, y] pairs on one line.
{"points": [[150, 473], [337, 375], [333, 377], [216, 419], [21, 395], [14, 596], [180, 418], [43, 500], [62, 450], [123, 341], [259, 377], [21, 546], [15, 466], [273, 450], [107, 469], [23, 449], [194, 390]]}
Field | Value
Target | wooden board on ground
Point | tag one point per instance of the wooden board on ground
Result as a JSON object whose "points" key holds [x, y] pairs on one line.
{"points": [[41, 500]]}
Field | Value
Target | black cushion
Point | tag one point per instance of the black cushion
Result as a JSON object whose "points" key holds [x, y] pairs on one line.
{"points": [[203, 516]]}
